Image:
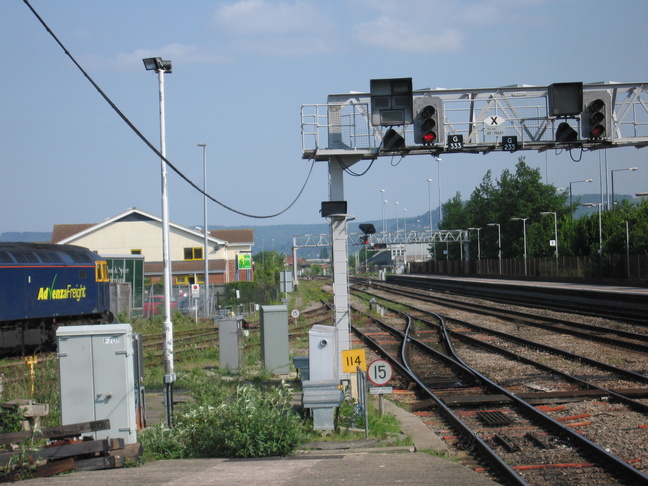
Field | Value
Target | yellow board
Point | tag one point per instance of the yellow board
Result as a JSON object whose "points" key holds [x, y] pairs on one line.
{"points": [[352, 358]]}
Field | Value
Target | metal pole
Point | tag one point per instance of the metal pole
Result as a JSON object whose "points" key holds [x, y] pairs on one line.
{"points": [[627, 247], [524, 220], [382, 202], [169, 377], [430, 201], [205, 250]]}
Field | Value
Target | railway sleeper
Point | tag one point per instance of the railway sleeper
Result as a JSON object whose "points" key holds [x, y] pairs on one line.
{"points": [[509, 444], [538, 440]]}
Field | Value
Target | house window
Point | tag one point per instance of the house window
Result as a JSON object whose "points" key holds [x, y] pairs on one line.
{"points": [[193, 253], [182, 280], [136, 252]]}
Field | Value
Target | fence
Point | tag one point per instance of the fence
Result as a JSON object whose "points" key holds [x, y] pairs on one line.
{"points": [[607, 268]]}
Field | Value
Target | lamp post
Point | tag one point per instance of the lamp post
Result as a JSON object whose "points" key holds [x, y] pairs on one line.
{"points": [[385, 201], [205, 250], [161, 67], [438, 159], [591, 205], [499, 244], [571, 207], [396, 204], [430, 201], [405, 220], [545, 213], [382, 200], [627, 248], [612, 179], [478, 248], [524, 220]]}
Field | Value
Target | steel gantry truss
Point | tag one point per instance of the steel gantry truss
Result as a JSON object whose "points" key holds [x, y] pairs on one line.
{"points": [[344, 131], [483, 117], [440, 236]]}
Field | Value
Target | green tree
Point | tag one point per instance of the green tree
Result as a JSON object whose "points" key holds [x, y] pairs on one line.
{"points": [[267, 268], [518, 194]]}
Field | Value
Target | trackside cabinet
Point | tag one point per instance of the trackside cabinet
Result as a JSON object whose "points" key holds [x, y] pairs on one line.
{"points": [[231, 342], [274, 339], [97, 377]]}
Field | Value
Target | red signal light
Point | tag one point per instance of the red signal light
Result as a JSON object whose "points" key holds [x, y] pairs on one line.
{"points": [[597, 131], [429, 137]]}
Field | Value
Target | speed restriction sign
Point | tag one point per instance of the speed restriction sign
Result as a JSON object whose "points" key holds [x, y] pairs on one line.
{"points": [[380, 372]]}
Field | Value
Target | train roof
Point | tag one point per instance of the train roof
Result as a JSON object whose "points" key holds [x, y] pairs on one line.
{"points": [[20, 252]]}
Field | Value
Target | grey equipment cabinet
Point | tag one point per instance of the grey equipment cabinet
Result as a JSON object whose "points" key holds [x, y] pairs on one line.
{"points": [[275, 352], [97, 378]]}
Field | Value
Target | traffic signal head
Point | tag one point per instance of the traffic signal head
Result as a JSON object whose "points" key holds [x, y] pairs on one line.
{"points": [[392, 140], [428, 120], [565, 133], [597, 114]]}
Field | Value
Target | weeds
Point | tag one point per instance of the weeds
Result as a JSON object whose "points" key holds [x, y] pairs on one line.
{"points": [[228, 419]]}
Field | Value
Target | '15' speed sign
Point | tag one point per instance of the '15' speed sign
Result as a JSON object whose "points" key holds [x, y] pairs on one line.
{"points": [[380, 372]]}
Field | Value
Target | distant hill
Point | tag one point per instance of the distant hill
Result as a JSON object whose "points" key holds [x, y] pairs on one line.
{"points": [[32, 236], [280, 237]]}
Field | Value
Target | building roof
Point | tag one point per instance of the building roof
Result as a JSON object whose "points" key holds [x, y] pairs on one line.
{"points": [[234, 235], [64, 233]]}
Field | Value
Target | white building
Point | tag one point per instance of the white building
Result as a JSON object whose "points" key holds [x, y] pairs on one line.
{"points": [[136, 232]]}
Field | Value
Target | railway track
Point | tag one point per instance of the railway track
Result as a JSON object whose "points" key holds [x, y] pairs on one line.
{"points": [[630, 304], [525, 445]]}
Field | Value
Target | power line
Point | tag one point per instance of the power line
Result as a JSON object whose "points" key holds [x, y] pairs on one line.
{"points": [[151, 146]]}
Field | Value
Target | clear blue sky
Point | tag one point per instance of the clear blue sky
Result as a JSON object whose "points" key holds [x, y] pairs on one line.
{"points": [[242, 70]]}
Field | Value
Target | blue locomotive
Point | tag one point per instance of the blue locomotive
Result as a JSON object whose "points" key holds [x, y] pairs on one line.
{"points": [[43, 286]]}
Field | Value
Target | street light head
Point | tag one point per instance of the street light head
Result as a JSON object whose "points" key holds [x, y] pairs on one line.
{"points": [[545, 213], [202, 144], [589, 180], [151, 63], [429, 180], [633, 168], [493, 224], [157, 64]]}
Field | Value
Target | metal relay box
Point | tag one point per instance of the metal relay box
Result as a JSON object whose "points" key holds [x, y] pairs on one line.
{"points": [[97, 377], [275, 352]]}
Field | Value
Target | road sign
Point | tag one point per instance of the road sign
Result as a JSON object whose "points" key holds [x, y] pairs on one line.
{"points": [[380, 372], [195, 290], [381, 390], [294, 313], [352, 358]]}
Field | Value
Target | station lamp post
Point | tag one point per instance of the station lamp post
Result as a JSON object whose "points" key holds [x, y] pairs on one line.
{"points": [[591, 205], [571, 207], [524, 220], [205, 249], [429, 181], [478, 248], [385, 201], [382, 200], [162, 67], [612, 180], [546, 213], [499, 244], [396, 204]]}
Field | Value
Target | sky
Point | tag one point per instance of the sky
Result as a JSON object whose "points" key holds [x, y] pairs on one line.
{"points": [[242, 71]]}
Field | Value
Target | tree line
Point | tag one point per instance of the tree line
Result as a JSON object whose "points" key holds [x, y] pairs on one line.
{"points": [[520, 201]]}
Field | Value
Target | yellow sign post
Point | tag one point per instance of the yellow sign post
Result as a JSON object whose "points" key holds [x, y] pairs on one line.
{"points": [[352, 358]]}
